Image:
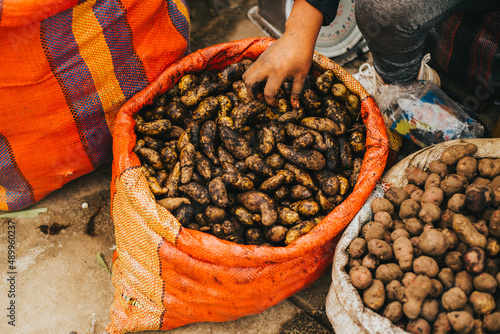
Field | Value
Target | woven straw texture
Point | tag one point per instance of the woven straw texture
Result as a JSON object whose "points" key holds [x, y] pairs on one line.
{"points": [[166, 276], [344, 306], [66, 69]]}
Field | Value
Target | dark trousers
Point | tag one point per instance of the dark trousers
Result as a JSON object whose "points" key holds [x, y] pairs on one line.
{"points": [[396, 30]]}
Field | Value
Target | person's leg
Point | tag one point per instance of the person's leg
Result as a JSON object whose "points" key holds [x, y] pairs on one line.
{"points": [[395, 30]]}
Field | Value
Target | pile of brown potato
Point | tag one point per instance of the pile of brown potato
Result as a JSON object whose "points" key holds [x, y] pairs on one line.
{"points": [[241, 170], [429, 260]]}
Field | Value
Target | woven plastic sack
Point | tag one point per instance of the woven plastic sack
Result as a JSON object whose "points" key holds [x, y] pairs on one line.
{"points": [[344, 306], [66, 68], [166, 276], [466, 46]]}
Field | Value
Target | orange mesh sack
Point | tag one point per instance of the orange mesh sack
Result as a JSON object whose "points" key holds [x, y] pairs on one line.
{"points": [[166, 276], [66, 68]]}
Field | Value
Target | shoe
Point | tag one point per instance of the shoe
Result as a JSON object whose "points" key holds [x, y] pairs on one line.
{"points": [[371, 81], [428, 73], [369, 78]]}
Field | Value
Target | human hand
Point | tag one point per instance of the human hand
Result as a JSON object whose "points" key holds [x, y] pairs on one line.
{"points": [[290, 57]]}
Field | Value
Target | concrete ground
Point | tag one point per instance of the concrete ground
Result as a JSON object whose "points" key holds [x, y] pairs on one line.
{"points": [[62, 288]]}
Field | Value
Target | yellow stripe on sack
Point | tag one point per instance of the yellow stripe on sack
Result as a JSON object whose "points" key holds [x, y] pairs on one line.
{"points": [[96, 55], [3, 199], [183, 9]]}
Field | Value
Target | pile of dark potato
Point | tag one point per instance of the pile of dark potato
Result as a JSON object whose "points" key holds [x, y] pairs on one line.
{"points": [[232, 166], [429, 260]]}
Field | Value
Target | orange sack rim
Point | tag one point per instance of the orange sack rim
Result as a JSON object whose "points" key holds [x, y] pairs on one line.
{"points": [[166, 276]]}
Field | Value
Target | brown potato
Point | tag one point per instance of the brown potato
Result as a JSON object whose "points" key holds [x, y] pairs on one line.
{"points": [[308, 159], [416, 176], [382, 204], [396, 195], [208, 134], [463, 280], [462, 322], [217, 192], [485, 282], [416, 195], [409, 209], [425, 265], [429, 213], [214, 214], [276, 234], [186, 82], [433, 195], [381, 249], [299, 230], [454, 299], [388, 272], [489, 168], [301, 176], [238, 181], [305, 208], [299, 192], [187, 160], [457, 203], [304, 141], [206, 110], [453, 184], [430, 310], [361, 277], [357, 248], [433, 242], [324, 81], [492, 322], [173, 203], [385, 219], [438, 167], [247, 110], [452, 154], [258, 166], [466, 232], [345, 153], [474, 260], [478, 198], [414, 226], [184, 214], [483, 302], [433, 180], [310, 101], [374, 295], [243, 216], [453, 261], [415, 293], [196, 192], [235, 143], [154, 128], [294, 115], [467, 167], [256, 201]]}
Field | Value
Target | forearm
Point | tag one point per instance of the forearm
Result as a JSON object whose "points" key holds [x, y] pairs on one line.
{"points": [[303, 24]]}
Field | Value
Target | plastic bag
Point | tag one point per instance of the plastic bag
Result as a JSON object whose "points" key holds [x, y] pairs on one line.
{"points": [[423, 113]]}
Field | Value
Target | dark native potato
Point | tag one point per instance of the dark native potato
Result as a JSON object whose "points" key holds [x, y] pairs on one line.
{"points": [[246, 172]]}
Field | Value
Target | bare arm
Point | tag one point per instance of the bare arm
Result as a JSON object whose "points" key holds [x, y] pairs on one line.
{"points": [[290, 57]]}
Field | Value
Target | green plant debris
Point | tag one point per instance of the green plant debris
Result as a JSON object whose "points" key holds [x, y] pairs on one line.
{"points": [[102, 263], [31, 213]]}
